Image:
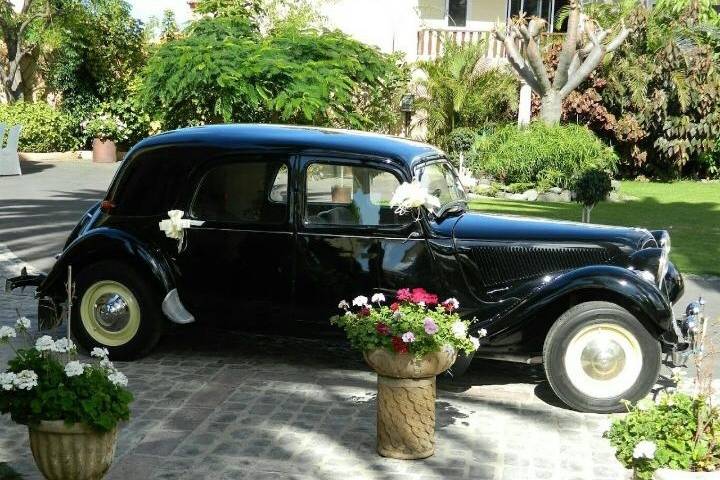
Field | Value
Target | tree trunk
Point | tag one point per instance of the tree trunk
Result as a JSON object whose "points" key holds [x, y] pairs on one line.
{"points": [[551, 107], [14, 86], [586, 213]]}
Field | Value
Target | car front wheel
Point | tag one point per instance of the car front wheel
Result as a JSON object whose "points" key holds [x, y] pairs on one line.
{"points": [[116, 309], [598, 354]]}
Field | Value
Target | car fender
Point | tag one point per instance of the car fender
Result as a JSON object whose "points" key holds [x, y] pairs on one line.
{"points": [[106, 243], [636, 293]]}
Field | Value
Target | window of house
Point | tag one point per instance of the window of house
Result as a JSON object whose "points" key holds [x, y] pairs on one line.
{"points": [[241, 193], [350, 195], [547, 9], [457, 13]]}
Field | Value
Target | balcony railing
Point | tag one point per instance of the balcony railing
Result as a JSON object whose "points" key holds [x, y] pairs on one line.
{"points": [[430, 41]]}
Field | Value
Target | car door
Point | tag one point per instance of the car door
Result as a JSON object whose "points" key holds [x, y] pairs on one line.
{"points": [[350, 241], [236, 268]]}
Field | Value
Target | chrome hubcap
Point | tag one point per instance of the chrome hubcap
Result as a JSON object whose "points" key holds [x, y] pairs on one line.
{"points": [[112, 312], [602, 359]]}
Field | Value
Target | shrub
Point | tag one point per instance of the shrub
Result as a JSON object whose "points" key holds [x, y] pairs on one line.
{"points": [[44, 128], [459, 142], [541, 152], [592, 187]]}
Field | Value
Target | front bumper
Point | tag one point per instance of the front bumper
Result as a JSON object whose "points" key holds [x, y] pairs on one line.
{"points": [[689, 332], [24, 280]]}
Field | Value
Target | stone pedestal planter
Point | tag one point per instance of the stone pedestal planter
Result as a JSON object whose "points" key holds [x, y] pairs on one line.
{"points": [[104, 151], [74, 452], [406, 401]]}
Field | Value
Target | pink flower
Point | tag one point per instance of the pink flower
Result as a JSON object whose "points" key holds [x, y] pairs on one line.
{"points": [[431, 327], [420, 295], [394, 306], [451, 304], [408, 337], [403, 295]]}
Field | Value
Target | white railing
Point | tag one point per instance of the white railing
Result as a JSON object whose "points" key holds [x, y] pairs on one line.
{"points": [[430, 41]]}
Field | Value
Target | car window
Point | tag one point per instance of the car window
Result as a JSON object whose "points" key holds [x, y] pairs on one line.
{"points": [[240, 193], [278, 192], [440, 180], [350, 195]]}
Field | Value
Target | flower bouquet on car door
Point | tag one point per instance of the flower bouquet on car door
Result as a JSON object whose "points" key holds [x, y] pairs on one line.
{"points": [[408, 343]]}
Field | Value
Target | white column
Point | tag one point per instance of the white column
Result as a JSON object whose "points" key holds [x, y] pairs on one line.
{"points": [[525, 105]]}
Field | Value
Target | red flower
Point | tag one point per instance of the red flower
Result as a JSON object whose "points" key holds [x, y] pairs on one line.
{"points": [[398, 345], [421, 295], [403, 295], [394, 306], [382, 329], [364, 312]]}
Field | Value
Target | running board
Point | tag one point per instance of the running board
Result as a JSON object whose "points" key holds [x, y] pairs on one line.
{"points": [[508, 357], [174, 310]]}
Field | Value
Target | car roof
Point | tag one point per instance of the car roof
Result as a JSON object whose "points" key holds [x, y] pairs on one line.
{"points": [[299, 138]]}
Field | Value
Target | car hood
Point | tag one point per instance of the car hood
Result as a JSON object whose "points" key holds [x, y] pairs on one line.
{"points": [[509, 228]]}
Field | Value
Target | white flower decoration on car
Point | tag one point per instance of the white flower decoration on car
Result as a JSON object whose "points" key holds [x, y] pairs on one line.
{"points": [[644, 449], [175, 225], [26, 380], [413, 195], [44, 344], [7, 332], [74, 369], [360, 301], [119, 379], [378, 298]]}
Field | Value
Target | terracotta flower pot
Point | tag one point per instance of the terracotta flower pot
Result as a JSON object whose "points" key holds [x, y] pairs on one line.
{"points": [[406, 401], [74, 452], [104, 151]]}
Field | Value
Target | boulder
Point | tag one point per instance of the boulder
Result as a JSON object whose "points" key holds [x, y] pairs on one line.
{"points": [[530, 195], [515, 196], [557, 190], [567, 196], [615, 185]]}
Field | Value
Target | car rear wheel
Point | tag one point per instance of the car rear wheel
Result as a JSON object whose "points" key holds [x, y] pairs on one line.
{"points": [[598, 354], [115, 309]]}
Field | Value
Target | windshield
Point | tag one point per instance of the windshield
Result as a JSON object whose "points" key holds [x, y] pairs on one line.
{"points": [[440, 180]]}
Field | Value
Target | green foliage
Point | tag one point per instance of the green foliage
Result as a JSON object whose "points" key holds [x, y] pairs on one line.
{"points": [[685, 430], [105, 127], [44, 129], [94, 397], [224, 71], [540, 152], [460, 91], [382, 326], [169, 29], [592, 187]]}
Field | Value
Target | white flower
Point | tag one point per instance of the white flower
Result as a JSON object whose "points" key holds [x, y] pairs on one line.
{"points": [[63, 345], [452, 303], [360, 301], [26, 380], [644, 449], [459, 329], [475, 341], [343, 305], [107, 364], [175, 225], [44, 344], [74, 368], [378, 298], [7, 332], [119, 379], [98, 352], [645, 404], [412, 195], [7, 381], [482, 333], [22, 324]]}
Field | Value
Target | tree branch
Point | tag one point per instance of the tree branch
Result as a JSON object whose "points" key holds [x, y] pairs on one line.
{"points": [[619, 39], [567, 54], [516, 59], [533, 55]]}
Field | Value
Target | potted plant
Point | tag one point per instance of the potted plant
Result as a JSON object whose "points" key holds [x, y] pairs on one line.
{"points": [[408, 343], [105, 130], [72, 409], [676, 438]]}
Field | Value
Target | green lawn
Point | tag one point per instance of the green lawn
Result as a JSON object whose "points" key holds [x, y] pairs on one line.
{"points": [[690, 211]]}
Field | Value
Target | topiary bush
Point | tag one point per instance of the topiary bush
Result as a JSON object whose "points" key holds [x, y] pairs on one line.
{"points": [[44, 128], [459, 142], [540, 154], [591, 188]]}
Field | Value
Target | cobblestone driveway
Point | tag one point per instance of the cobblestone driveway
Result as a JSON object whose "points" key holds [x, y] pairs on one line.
{"points": [[247, 406]]}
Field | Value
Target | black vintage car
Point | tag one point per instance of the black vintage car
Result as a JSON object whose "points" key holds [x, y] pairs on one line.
{"points": [[285, 221]]}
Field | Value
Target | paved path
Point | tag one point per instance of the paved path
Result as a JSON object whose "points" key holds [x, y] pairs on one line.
{"points": [[247, 406]]}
